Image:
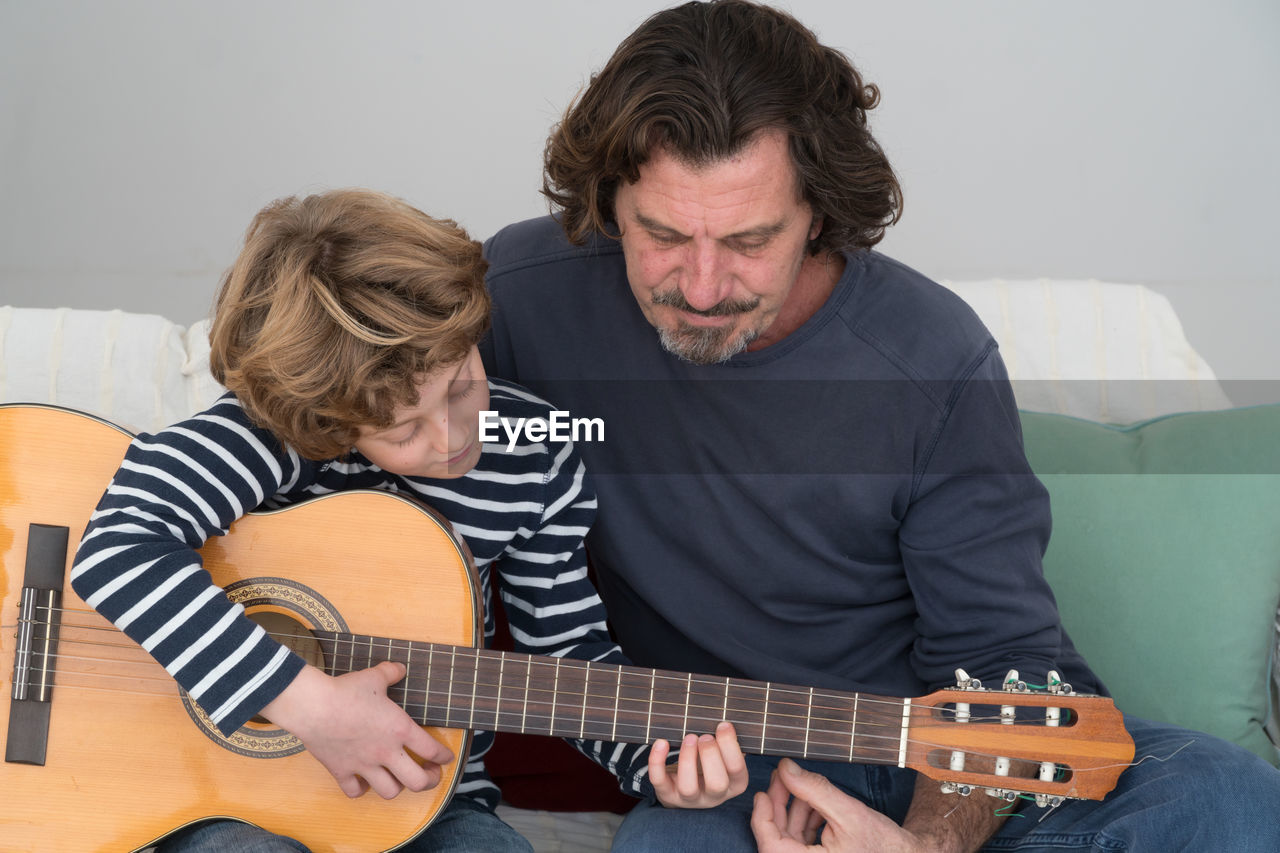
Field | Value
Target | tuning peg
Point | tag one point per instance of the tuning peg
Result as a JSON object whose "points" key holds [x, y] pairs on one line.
{"points": [[964, 682], [1057, 685]]}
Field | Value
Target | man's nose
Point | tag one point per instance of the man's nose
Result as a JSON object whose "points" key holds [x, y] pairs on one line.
{"points": [[705, 283]]}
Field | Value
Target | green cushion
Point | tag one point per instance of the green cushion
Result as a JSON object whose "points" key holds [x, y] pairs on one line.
{"points": [[1165, 558]]}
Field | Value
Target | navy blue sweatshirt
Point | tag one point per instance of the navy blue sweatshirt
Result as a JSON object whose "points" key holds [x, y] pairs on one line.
{"points": [[848, 508]]}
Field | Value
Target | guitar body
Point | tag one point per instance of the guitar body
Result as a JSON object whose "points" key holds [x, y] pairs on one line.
{"points": [[128, 759]]}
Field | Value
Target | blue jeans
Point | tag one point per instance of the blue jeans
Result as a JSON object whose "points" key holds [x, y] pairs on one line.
{"points": [[464, 826], [1210, 796]]}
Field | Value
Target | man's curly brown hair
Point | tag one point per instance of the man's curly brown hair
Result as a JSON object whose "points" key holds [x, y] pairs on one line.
{"points": [[336, 309], [699, 81]]}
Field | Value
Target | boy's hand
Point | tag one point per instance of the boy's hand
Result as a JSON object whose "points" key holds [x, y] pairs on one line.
{"points": [[364, 739], [709, 770]]}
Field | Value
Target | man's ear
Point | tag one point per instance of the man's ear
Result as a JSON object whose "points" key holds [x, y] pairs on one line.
{"points": [[815, 229]]}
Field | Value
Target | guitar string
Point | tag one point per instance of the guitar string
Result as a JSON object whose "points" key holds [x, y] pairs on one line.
{"points": [[678, 682], [865, 751], [892, 718], [889, 720], [820, 749], [892, 747], [892, 722]]}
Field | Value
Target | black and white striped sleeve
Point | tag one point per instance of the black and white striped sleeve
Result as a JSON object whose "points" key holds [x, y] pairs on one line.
{"points": [[137, 562]]}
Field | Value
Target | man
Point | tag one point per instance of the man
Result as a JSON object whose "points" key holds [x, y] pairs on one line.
{"points": [[812, 473]]}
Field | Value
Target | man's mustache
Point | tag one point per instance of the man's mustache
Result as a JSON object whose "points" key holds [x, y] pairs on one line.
{"points": [[675, 299]]}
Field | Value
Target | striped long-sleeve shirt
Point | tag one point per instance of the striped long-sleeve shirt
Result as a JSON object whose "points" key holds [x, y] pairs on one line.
{"points": [[522, 513]]}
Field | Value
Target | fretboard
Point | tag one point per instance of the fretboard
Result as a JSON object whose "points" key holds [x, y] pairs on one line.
{"points": [[480, 689]]}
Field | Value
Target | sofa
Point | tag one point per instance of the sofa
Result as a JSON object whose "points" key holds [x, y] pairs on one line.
{"points": [[1165, 553]]}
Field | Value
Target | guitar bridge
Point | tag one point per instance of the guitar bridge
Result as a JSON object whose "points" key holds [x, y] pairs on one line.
{"points": [[37, 644]]}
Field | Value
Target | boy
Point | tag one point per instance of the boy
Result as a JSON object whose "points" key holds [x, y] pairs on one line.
{"points": [[346, 336]]}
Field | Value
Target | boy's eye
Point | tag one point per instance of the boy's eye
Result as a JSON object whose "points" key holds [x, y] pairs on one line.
{"points": [[407, 440]]}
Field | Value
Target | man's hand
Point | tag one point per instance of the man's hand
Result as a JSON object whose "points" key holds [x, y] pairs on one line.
{"points": [[364, 739], [935, 821], [850, 824], [708, 771]]}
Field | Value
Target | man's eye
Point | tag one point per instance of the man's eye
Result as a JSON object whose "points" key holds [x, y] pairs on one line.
{"points": [[666, 239]]}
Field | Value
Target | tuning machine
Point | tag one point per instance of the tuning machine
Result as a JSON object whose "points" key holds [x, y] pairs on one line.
{"points": [[1012, 683]]}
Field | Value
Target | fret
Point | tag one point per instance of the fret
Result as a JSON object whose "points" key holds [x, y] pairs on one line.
{"points": [[586, 691], [688, 691], [555, 694], [853, 725], [764, 720], [427, 694], [448, 702], [408, 668], [808, 723], [724, 712], [648, 717], [475, 685], [617, 703], [497, 694], [524, 710]]}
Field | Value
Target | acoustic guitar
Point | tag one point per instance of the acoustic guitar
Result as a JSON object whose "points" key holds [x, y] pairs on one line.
{"points": [[104, 752]]}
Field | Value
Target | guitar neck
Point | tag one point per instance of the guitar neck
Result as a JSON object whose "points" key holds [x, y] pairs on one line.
{"points": [[463, 687]]}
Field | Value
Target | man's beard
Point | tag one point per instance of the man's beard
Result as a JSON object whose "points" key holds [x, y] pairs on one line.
{"points": [[705, 344]]}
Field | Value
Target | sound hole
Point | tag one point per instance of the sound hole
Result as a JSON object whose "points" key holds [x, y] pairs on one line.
{"points": [[293, 635]]}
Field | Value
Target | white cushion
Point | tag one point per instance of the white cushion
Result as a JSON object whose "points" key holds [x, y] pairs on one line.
{"points": [[135, 370], [1103, 351]]}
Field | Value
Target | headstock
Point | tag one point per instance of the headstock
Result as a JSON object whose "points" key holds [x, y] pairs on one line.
{"points": [[1049, 742]]}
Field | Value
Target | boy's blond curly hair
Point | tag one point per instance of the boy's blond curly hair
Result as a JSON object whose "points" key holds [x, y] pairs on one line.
{"points": [[337, 307]]}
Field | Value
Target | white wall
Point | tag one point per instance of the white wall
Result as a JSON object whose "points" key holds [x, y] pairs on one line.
{"points": [[1129, 141]]}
